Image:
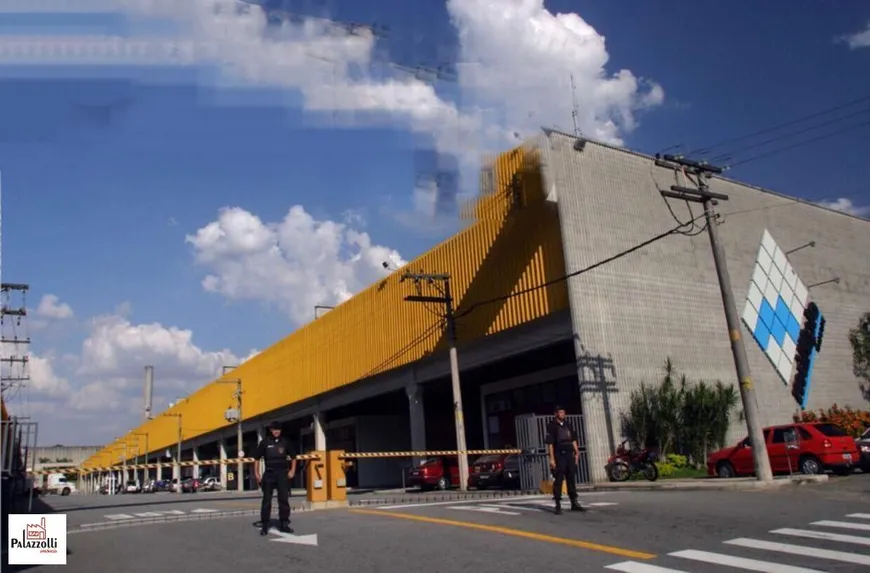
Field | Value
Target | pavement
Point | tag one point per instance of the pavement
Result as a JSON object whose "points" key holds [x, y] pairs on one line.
{"points": [[792, 529]]}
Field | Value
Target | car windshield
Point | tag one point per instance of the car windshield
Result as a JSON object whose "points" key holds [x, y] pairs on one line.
{"points": [[487, 459], [866, 434], [832, 430]]}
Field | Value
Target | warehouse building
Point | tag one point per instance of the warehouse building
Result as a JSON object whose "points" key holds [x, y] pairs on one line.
{"points": [[373, 374]]}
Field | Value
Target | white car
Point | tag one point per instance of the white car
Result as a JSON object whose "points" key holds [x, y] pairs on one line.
{"points": [[132, 487]]}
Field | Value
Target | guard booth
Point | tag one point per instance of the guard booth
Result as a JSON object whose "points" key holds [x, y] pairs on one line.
{"points": [[531, 431]]}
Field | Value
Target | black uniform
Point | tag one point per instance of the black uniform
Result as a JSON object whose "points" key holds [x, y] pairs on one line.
{"points": [[562, 438], [277, 454]]}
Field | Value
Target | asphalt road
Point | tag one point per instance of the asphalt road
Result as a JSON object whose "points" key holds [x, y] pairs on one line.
{"points": [[822, 527]]}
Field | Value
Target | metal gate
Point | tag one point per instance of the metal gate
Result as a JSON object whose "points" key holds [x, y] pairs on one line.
{"points": [[534, 462]]}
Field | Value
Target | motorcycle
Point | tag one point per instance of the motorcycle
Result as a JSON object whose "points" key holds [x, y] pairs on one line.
{"points": [[628, 462]]}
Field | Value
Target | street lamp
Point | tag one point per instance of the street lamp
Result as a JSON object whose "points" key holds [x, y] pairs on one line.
{"points": [[145, 472], [321, 307], [177, 455], [236, 415]]}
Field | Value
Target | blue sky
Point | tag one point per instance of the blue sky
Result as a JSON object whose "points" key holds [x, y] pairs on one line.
{"points": [[146, 196]]}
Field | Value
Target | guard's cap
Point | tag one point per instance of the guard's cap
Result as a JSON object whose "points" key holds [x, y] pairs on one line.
{"points": [[558, 407], [274, 425]]}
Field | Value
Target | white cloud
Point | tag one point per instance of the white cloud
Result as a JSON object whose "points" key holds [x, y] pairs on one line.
{"points": [[51, 307], [107, 379], [296, 263], [44, 381], [846, 206], [858, 39], [521, 58], [516, 62]]}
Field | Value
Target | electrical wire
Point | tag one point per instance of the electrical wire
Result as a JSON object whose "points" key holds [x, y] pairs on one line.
{"points": [[674, 231], [800, 144], [730, 154], [420, 339], [706, 149]]}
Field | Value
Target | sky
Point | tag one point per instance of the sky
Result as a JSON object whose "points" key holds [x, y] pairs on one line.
{"points": [[183, 182]]}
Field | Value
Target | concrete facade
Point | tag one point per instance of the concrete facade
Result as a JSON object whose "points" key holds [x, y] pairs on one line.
{"points": [[74, 454], [663, 300]]}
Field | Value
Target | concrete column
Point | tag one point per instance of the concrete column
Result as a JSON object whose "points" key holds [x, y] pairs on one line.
{"points": [[176, 469], [417, 417], [319, 434], [195, 451], [222, 445]]}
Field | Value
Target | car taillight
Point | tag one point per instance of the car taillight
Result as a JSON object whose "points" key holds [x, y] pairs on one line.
{"points": [[496, 467], [826, 443]]}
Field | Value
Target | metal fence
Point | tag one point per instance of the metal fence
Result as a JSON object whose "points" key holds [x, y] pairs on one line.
{"points": [[17, 456]]}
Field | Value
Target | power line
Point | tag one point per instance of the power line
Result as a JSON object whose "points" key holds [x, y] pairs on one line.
{"points": [[729, 154], [674, 231], [800, 144], [706, 149]]}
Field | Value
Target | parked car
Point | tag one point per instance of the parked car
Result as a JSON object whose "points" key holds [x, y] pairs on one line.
{"points": [[495, 471], [817, 447], [434, 473], [190, 485], [210, 483], [132, 486], [864, 446]]}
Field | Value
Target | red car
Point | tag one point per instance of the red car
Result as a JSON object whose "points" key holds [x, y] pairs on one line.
{"points": [[435, 473], [818, 447]]}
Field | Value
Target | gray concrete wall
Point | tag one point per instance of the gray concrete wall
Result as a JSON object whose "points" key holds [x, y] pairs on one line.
{"points": [[663, 301], [77, 454]]}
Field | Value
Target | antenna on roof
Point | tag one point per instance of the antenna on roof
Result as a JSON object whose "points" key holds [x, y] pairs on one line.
{"points": [[574, 107]]}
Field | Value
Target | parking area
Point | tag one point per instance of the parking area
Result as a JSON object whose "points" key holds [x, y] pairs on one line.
{"points": [[806, 529]]}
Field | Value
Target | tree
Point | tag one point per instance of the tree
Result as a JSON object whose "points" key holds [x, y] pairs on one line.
{"points": [[859, 337]]}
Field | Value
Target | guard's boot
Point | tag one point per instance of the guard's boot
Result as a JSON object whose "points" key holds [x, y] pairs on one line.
{"points": [[558, 507], [284, 527], [576, 506], [264, 528]]}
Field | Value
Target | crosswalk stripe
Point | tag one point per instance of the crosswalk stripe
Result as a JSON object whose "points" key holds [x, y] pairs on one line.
{"points": [[638, 567], [859, 515], [823, 535], [843, 525], [801, 550], [740, 562]]}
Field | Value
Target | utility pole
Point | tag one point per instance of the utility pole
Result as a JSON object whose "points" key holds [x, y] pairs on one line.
{"points": [[145, 472], [446, 299], [240, 468], [177, 455], [15, 374], [709, 200]]}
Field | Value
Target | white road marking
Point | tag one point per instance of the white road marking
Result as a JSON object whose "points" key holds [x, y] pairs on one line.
{"points": [[118, 516], [310, 539], [485, 509], [843, 525], [740, 562], [859, 515], [454, 502], [823, 535], [637, 567], [204, 511], [801, 550], [600, 503]]}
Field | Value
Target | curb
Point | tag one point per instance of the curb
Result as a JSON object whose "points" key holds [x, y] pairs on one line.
{"points": [[713, 484], [416, 498]]}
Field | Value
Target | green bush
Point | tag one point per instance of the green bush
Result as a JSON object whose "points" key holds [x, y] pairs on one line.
{"points": [[680, 417], [666, 469]]}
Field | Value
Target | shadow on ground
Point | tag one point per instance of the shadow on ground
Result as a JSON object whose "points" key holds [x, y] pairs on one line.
{"points": [[20, 505]]}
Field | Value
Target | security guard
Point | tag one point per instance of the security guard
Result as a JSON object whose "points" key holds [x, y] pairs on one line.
{"points": [[280, 463], [564, 454]]}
